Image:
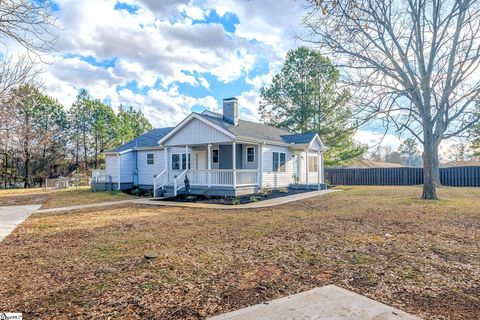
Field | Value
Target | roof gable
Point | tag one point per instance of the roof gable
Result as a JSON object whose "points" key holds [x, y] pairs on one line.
{"points": [[196, 132]]}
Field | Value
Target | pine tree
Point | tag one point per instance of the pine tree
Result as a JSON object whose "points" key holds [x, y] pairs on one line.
{"points": [[304, 97]]}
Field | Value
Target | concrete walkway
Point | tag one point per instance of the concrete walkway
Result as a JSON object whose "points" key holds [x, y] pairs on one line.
{"points": [[329, 302], [12, 216], [87, 206]]}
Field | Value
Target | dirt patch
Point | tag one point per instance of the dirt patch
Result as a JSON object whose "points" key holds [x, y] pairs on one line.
{"points": [[381, 242]]}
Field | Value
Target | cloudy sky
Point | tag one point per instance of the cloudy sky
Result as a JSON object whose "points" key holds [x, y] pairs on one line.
{"points": [[169, 57]]}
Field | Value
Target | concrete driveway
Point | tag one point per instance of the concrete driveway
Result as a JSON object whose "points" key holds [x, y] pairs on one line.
{"points": [[11, 217]]}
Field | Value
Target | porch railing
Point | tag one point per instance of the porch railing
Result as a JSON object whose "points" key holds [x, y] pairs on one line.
{"points": [[247, 177], [223, 177], [159, 182], [179, 182]]}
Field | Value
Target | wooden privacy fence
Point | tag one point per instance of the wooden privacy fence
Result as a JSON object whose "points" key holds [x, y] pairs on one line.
{"points": [[406, 176]]}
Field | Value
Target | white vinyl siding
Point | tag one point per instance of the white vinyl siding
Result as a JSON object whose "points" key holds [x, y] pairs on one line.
{"points": [[197, 132], [147, 171], [111, 166], [127, 167], [276, 179]]}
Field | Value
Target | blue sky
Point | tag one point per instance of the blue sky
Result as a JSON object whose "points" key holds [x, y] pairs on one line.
{"points": [[171, 57]]}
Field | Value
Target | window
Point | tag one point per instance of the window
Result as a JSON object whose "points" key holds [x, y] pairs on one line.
{"points": [[150, 159], [312, 164], [250, 154], [175, 161], [184, 161], [279, 162], [215, 155], [177, 165]]}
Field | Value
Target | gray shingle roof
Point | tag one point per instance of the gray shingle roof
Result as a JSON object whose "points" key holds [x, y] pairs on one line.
{"points": [[259, 131], [299, 138], [245, 129], [149, 139], [248, 129]]}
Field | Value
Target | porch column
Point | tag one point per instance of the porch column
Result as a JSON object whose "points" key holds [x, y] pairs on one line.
{"points": [[322, 166], [260, 162], [209, 165], [318, 167], [306, 165], [165, 159], [234, 164], [186, 158], [119, 172]]}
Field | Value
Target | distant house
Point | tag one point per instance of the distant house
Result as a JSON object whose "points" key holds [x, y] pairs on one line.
{"points": [[373, 164], [461, 163], [220, 154]]}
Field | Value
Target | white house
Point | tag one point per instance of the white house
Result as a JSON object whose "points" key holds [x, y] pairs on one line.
{"points": [[220, 155]]}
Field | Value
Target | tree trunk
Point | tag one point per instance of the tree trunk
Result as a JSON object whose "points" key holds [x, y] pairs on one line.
{"points": [[431, 172]]}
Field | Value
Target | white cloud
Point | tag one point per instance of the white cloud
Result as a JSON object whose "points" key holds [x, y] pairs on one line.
{"points": [[375, 138], [160, 43]]}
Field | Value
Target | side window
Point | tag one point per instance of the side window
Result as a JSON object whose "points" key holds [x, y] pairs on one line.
{"points": [[150, 158], [279, 159], [215, 155], [312, 164], [175, 161], [250, 154]]}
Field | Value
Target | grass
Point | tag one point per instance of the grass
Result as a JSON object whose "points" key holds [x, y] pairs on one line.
{"points": [[420, 256], [57, 198]]}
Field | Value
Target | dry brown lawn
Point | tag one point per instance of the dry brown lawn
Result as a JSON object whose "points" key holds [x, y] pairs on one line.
{"points": [[57, 198], [420, 256]]}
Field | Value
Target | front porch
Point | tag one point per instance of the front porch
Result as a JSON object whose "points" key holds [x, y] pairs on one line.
{"points": [[228, 169]]}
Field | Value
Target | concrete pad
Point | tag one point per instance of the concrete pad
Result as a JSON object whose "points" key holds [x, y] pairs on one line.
{"points": [[329, 302], [11, 217]]}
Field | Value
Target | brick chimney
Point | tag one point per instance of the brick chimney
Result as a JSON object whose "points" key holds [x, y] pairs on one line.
{"points": [[230, 110]]}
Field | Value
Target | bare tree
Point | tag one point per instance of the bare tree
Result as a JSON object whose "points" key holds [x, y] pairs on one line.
{"points": [[15, 72], [414, 64], [29, 23]]}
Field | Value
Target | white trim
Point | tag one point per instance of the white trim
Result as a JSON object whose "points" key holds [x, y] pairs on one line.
{"points": [[316, 137], [187, 120], [234, 163], [318, 171], [209, 165], [119, 171], [306, 166], [246, 154]]}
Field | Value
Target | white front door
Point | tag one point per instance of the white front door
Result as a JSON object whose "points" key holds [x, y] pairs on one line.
{"points": [[200, 160]]}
